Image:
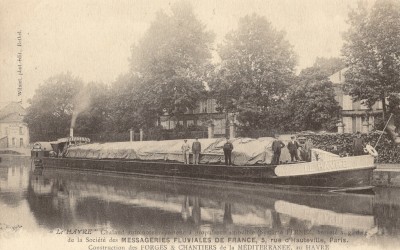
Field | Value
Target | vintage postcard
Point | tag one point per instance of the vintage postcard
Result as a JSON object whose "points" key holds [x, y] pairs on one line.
{"points": [[199, 125]]}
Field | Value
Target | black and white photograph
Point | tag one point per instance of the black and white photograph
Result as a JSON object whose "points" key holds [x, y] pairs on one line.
{"points": [[199, 124]]}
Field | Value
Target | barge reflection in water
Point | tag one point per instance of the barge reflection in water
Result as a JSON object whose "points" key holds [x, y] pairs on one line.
{"points": [[116, 204]]}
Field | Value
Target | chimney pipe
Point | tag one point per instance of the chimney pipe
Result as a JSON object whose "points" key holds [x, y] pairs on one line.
{"points": [[71, 132]]}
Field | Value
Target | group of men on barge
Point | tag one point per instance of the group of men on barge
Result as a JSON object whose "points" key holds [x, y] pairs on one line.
{"points": [[277, 145], [293, 147], [196, 149]]}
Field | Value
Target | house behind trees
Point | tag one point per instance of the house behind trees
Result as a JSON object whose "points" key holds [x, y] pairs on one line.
{"points": [[205, 111], [353, 113]]}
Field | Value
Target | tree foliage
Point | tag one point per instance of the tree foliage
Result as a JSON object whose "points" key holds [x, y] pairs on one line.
{"points": [[124, 106], [311, 103], [167, 72], [257, 65], [372, 52], [170, 61], [170, 69], [49, 115], [95, 117]]}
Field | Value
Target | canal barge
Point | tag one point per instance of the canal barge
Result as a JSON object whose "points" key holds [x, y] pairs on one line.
{"points": [[329, 172]]}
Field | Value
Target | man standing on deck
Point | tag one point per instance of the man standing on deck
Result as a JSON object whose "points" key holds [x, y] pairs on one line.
{"points": [[308, 146], [228, 147], [293, 145], [277, 145], [196, 149], [358, 145], [185, 152]]}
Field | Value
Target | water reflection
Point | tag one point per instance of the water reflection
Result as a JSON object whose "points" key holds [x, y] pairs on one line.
{"points": [[67, 199], [387, 211]]}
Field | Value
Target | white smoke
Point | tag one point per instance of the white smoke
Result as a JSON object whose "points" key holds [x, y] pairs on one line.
{"points": [[81, 102]]}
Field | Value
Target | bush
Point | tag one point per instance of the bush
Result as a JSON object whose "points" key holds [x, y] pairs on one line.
{"points": [[341, 144]]}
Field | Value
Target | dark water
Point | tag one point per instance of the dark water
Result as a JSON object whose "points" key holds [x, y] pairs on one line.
{"points": [[47, 201]]}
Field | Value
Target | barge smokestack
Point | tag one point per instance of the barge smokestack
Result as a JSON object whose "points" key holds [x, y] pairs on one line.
{"points": [[71, 132]]}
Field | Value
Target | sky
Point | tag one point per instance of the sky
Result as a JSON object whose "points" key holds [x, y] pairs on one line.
{"points": [[92, 38]]}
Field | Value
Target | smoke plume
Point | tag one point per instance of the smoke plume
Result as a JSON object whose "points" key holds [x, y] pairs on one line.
{"points": [[81, 102]]}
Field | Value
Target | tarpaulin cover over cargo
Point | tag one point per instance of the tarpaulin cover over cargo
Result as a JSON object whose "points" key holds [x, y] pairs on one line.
{"points": [[246, 151]]}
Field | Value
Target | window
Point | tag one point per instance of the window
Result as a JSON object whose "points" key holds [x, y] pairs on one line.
{"points": [[21, 131], [214, 108], [378, 105], [204, 107], [13, 142], [211, 106], [172, 124], [371, 123], [165, 124], [21, 142]]}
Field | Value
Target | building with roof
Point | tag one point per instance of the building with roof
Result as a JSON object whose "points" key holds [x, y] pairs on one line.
{"points": [[354, 115], [205, 112], [14, 132]]}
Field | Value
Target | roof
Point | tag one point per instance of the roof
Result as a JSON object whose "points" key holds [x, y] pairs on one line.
{"points": [[68, 139], [12, 112], [338, 77]]}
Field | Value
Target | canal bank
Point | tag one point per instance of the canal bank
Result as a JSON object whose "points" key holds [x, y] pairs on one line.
{"points": [[15, 156], [386, 175], [15, 160]]}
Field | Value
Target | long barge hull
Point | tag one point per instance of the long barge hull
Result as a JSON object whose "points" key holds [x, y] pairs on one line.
{"points": [[348, 178]]}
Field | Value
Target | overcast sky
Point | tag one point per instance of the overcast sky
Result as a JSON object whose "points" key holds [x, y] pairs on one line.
{"points": [[92, 39]]}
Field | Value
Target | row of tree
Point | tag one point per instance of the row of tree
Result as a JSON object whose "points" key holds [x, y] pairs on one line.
{"points": [[172, 68]]}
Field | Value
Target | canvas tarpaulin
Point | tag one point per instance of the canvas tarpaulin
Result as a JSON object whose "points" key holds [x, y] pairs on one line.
{"points": [[246, 151]]}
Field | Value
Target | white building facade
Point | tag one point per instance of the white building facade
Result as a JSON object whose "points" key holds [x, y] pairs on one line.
{"points": [[14, 132], [354, 114]]}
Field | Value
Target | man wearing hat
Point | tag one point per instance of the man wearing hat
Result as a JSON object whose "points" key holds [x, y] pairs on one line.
{"points": [[293, 145], [185, 151], [277, 146], [358, 145], [228, 147], [196, 149]]}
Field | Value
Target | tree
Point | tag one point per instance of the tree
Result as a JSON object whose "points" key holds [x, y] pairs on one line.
{"points": [[328, 66], [311, 103], [257, 66], [372, 52], [124, 106], [95, 114], [49, 115], [170, 61]]}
